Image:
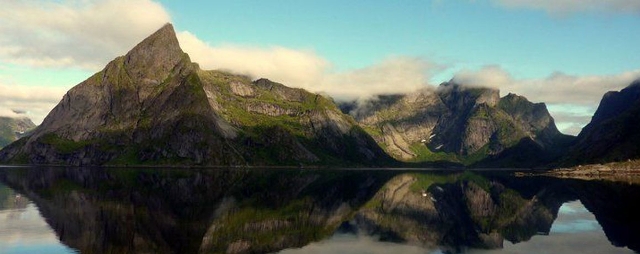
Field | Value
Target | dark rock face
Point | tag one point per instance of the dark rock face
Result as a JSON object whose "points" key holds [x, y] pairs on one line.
{"points": [[154, 106], [11, 129], [612, 134], [456, 123]]}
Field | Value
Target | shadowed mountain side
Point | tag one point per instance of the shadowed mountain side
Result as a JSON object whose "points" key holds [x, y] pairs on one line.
{"points": [[612, 134], [528, 154]]}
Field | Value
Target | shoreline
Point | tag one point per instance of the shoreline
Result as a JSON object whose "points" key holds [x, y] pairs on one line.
{"points": [[628, 171]]}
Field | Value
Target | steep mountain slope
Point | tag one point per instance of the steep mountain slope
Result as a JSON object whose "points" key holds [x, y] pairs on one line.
{"points": [[154, 106], [11, 129], [612, 134], [456, 123]]}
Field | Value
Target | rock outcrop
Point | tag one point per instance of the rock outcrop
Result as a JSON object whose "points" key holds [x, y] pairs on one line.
{"points": [[154, 106]]}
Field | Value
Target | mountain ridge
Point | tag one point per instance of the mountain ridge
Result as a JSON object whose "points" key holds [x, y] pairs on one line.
{"points": [[154, 106], [459, 123]]}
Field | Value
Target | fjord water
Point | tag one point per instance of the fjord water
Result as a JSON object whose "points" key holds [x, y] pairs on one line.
{"points": [[22, 228], [151, 210]]}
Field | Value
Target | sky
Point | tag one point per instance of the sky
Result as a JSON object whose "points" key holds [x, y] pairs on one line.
{"points": [[566, 53]]}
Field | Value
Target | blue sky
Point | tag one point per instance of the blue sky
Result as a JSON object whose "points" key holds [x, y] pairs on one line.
{"points": [[566, 53], [528, 43]]}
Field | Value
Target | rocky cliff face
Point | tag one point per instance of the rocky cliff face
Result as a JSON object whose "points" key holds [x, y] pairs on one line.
{"points": [[612, 134], [154, 106], [11, 129], [455, 123]]}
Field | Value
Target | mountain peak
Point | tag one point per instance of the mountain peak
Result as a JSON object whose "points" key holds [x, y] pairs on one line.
{"points": [[155, 56]]}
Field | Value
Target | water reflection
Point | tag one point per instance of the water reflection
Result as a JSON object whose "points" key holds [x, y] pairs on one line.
{"points": [[306, 211], [22, 229]]}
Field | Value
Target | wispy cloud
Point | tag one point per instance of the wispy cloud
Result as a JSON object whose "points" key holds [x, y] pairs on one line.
{"points": [[561, 7], [85, 34]]}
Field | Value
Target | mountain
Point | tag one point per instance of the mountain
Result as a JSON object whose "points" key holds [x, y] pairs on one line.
{"points": [[11, 129], [612, 134], [154, 106], [458, 123]]}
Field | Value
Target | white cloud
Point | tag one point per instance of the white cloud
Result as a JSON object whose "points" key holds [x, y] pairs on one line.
{"points": [[571, 6], [567, 95], [488, 76], [36, 101], [347, 243], [305, 69], [79, 33], [293, 67], [558, 88], [392, 75]]}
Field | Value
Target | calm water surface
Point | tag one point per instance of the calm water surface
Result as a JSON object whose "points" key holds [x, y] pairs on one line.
{"points": [[92, 210]]}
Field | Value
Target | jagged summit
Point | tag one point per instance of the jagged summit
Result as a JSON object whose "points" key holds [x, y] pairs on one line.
{"points": [[155, 56]]}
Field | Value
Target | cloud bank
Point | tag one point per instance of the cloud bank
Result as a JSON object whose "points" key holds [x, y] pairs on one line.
{"points": [[558, 88], [299, 67], [305, 69], [572, 6]]}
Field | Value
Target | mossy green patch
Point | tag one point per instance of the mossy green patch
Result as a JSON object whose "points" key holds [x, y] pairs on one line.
{"points": [[63, 145]]}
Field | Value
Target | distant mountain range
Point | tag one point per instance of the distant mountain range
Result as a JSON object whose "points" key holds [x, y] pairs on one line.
{"points": [[153, 106], [12, 129]]}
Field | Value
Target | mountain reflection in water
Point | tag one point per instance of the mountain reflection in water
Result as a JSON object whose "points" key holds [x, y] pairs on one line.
{"points": [[154, 210], [22, 229]]}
